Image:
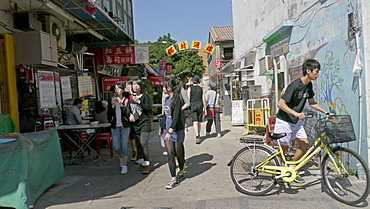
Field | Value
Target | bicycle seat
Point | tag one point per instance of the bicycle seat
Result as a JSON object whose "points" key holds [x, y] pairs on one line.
{"points": [[251, 140], [276, 135]]}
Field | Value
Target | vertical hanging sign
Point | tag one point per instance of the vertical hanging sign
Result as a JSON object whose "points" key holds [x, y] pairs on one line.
{"points": [[162, 64]]}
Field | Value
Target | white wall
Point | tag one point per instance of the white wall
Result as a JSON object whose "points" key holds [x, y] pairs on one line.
{"points": [[250, 26]]}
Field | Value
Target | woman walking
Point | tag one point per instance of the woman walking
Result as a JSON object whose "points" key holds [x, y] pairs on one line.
{"points": [[139, 116], [119, 112], [174, 134]]}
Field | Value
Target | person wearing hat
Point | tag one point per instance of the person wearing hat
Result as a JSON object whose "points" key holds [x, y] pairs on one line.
{"points": [[212, 100], [195, 94]]}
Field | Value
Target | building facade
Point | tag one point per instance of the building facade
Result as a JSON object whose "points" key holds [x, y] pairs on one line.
{"points": [[278, 36], [46, 46]]}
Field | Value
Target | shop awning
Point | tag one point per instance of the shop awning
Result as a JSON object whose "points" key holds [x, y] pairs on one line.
{"points": [[151, 70], [107, 32], [278, 30]]}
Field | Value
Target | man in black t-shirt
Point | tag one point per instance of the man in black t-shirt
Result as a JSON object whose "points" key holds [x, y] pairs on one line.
{"points": [[289, 116]]}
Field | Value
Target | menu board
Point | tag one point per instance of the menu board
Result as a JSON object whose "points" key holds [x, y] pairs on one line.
{"points": [[85, 87], [46, 89], [66, 87]]}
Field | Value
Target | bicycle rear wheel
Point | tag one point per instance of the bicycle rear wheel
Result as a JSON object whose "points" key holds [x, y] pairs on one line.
{"points": [[245, 178], [353, 186]]}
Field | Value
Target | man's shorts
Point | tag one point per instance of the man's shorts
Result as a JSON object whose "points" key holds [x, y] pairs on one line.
{"points": [[197, 112], [293, 131]]}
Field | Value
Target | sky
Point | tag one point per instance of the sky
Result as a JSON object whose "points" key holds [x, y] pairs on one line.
{"points": [[183, 19]]}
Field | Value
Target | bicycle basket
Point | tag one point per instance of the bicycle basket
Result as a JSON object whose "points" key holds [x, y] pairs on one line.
{"points": [[338, 129]]}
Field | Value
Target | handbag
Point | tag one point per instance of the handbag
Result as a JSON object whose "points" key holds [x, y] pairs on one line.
{"points": [[162, 121], [211, 110]]}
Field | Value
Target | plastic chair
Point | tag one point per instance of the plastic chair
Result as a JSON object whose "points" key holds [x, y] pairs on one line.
{"points": [[104, 137], [48, 123]]}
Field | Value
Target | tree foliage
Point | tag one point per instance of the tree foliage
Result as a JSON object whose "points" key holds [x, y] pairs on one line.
{"points": [[184, 65]]}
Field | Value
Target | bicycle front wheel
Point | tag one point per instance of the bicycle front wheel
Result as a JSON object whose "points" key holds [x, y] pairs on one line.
{"points": [[349, 183], [245, 178]]}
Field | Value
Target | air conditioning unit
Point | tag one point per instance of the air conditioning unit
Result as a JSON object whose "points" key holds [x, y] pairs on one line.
{"points": [[55, 27], [267, 65]]}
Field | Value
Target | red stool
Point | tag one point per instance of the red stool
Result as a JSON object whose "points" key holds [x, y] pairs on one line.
{"points": [[101, 137]]}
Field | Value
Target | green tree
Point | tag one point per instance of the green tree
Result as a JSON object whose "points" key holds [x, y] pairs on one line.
{"points": [[184, 65]]}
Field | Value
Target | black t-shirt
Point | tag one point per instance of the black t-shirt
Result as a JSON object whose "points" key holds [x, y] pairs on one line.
{"points": [[196, 95], [296, 95]]}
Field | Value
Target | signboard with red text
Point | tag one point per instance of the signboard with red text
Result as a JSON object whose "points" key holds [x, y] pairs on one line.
{"points": [[157, 80], [162, 64], [108, 82], [169, 68]]}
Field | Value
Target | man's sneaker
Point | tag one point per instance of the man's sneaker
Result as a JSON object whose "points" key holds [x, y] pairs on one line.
{"points": [[124, 169], [208, 133], [134, 156], [145, 169], [172, 184], [299, 179], [140, 161], [180, 175], [219, 135], [281, 182]]}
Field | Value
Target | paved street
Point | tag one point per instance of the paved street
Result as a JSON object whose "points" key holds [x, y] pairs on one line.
{"points": [[207, 182]]}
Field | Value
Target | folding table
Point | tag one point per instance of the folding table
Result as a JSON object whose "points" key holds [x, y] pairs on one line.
{"points": [[65, 129]]}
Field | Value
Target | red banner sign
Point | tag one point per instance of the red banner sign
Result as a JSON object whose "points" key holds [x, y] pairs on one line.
{"points": [[108, 82], [162, 64], [169, 68], [218, 63], [157, 80]]}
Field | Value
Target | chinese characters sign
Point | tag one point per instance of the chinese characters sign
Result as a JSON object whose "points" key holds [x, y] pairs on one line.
{"points": [[85, 86], [108, 82], [47, 89], [122, 55], [157, 80], [195, 45], [169, 68], [162, 64]]}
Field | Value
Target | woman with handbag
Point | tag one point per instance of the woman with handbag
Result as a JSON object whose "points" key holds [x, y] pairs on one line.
{"points": [[174, 132], [213, 109]]}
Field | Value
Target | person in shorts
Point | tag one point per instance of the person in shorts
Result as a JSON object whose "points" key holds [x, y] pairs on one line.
{"points": [[290, 116], [195, 94]]}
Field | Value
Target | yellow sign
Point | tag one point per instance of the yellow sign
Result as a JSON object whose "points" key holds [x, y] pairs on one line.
{"points": [[196, 44], [209, 48], [171, 50], [183, 45]]}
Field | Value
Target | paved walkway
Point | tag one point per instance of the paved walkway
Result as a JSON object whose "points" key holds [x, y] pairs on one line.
{"points": [[207, 183]]}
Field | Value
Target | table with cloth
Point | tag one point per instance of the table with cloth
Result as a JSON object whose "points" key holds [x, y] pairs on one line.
{"points": [[7, 124], [29, 164]]}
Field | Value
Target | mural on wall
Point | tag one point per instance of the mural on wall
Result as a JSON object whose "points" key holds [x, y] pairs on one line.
{"points": [[331, 79]]}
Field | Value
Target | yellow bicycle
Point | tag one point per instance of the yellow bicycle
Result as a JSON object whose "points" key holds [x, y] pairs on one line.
{"points": [[256, 168]]}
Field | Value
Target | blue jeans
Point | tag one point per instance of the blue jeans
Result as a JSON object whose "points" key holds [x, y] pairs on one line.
{"points": [[120, 140]]}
